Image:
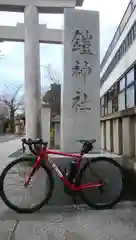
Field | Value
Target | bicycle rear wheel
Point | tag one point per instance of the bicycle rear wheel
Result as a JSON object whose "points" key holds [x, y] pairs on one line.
{"points": [[25, 199], [102, 170]]}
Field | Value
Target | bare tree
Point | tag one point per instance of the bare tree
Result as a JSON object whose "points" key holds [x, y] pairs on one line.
{"points": [[52, 96], [12, 99], [52, 75]]}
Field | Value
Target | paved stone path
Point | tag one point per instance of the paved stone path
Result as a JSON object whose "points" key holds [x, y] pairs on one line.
{"points": [[7, 137], [69, 224], [6, 149]]}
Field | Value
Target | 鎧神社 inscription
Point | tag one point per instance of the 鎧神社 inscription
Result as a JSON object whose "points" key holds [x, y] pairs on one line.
{"points": [[79, 103], [82, 41], [83, 70]]}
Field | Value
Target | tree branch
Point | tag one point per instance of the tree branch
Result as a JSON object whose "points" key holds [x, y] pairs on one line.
{"points": [[16, 92], [19, 104], [52, 74], [10, 99], [3, 99]]}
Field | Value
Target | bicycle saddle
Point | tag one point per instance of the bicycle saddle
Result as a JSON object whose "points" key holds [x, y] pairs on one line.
{"points": [[87, 141]]}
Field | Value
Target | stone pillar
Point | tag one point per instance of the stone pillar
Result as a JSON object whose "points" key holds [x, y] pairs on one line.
{"points": [[128, 136], [45, 123], [80, 102], [57, 134], [32, 73], [117, 136], [17, 127], [109, 136], [103, 135]]}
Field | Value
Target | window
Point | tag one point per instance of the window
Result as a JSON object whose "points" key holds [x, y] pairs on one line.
{"points": [[102, 111], [130, 76], [121, 101], [124, 46], [110, 107], [106, 110], [133, 33], [127, 42], [102, 101], [130, 38], [115, 104], [121, 95], [130, 97], [118, 55], [121, 51], [102, 106], [115, 98], [122, 84], [106, 98]]}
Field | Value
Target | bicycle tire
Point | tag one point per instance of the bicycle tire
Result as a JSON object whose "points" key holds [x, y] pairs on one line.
{"points": [[89, 202], [25, 210]]}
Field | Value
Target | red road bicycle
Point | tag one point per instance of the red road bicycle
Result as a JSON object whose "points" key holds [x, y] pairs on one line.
{"points": [[102, 190]]}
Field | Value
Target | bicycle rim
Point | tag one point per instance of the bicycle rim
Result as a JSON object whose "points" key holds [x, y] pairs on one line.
{"points": [[107, 171], [25, 199]]}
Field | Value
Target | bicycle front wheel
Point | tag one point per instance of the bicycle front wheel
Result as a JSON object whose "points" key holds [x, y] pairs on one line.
{"points": [[25, 199], [102, 170]]}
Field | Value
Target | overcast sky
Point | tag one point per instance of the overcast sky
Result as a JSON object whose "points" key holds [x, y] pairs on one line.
{"points": [[12, 65]]}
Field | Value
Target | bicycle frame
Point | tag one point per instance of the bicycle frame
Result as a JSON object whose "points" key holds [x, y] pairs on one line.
{"points": [[45, 154]]}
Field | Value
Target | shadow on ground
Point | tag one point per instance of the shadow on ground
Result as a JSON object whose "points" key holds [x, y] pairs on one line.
{"points": [[129, 185]]}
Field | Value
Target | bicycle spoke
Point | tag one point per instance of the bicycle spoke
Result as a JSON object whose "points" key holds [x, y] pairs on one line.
{"points": [[23, 196], [105, 172]]}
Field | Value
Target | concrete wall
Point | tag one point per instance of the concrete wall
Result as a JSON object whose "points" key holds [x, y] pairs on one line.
{"points": [[57, 134], [119, 136], [128, 136], [109, 136], [45, 122], [75, 123], [103, 134]]}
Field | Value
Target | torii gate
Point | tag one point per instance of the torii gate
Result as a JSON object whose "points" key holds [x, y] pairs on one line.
{"points": [[32, 33]]}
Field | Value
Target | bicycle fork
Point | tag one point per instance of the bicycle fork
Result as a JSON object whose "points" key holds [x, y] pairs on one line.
{"points": [[31, 174], [29, 177]]}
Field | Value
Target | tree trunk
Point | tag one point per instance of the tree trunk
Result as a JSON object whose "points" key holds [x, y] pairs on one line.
{"points": [[12, 120]]}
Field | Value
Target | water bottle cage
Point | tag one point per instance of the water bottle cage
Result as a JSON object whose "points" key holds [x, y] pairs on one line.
{"points": [[71, 175]]}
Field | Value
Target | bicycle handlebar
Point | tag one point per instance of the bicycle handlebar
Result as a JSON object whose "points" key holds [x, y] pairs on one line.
{"points": [[34, 145]]}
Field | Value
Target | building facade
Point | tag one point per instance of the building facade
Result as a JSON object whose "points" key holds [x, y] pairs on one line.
{"points": [[4, 115], [118, 88]]}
